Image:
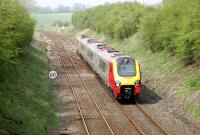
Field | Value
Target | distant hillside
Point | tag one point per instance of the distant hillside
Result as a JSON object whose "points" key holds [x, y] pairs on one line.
{"points": [[48, 19], [59, 9]]}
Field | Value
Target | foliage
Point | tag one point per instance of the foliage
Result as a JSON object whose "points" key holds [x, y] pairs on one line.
{"points": [[173, 26], [24, 100], [187, 90], [16, 31], [190, 87], [60, 23], [119, 21], [25, 107]]}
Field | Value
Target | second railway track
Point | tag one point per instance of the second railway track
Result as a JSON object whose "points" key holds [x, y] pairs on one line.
{"points": [[74, 82]]}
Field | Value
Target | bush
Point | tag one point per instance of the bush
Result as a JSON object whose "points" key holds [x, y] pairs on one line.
{"points": [[60, 23], [150, 29], [25, 104], [173, 26], [118, 21], [16, 31]]}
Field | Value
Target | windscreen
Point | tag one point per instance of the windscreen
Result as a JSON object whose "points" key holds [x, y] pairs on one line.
{"points": [[126, 67]]}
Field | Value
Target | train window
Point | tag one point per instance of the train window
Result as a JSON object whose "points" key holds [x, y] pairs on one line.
{"points": [[102, 66], [126, 67], [90, 54]]}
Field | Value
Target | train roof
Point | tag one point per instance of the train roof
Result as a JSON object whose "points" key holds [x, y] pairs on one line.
{"points": [[101, 48]]}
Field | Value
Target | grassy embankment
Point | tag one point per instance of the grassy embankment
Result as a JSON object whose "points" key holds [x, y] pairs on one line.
{"points": [[163, 38], [161, 72], [25, 103], [25, 97]]}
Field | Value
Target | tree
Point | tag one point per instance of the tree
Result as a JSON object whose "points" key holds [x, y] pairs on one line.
{"points": [[62, 9], [29, 4], [78, 7], [16, 31]]}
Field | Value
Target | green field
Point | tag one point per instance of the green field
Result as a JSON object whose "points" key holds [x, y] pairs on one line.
{"points": [[48, 19]]}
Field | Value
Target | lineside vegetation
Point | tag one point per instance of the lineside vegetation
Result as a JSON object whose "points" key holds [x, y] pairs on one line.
{"points": [[173, 26], [25, 103], [16, 31]]}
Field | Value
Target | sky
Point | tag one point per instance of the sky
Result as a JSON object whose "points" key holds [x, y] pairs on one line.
{"points": [[55, 3]]}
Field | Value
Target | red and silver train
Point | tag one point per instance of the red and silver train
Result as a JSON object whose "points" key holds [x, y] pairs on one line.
{"points": [[118, 71]]}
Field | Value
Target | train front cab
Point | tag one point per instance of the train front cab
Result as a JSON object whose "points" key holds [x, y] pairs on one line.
{"points": [[125, 78]]}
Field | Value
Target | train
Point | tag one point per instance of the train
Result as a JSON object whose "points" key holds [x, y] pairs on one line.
{"points": [[119, 72]]}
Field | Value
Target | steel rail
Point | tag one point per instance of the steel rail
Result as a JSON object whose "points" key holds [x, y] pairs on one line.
{"points": [[131, 120], [162, 129], [75, 96], [152, 119], [78, 63], [74, 57], [86, 87], [101, 113], [125, 113]]}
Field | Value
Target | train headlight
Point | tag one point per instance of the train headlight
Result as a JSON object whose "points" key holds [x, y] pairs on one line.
{"points": [[137, 83], [117, 83]]}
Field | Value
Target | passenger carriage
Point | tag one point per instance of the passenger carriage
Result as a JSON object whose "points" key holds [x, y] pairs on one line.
{"points": [[119, 72]]}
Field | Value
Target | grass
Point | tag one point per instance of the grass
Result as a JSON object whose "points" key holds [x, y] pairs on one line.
{"points": [[190, 88], [25, 101], [151, 63], [166, 67], [48, 19]]}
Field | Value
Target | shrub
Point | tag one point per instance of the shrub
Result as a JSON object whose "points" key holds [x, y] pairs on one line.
{"points": [[16, 31], [60, 23], [173, 26], [118, 21]]}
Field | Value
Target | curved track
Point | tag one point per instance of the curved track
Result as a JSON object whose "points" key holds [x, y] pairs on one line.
{"points": [[75, 96], [124, 109]]}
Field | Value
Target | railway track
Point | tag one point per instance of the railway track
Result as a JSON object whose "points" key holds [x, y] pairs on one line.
{"points": [[136, 106], [62, 58], [75, 96], [140, 108], [124, 109]]}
